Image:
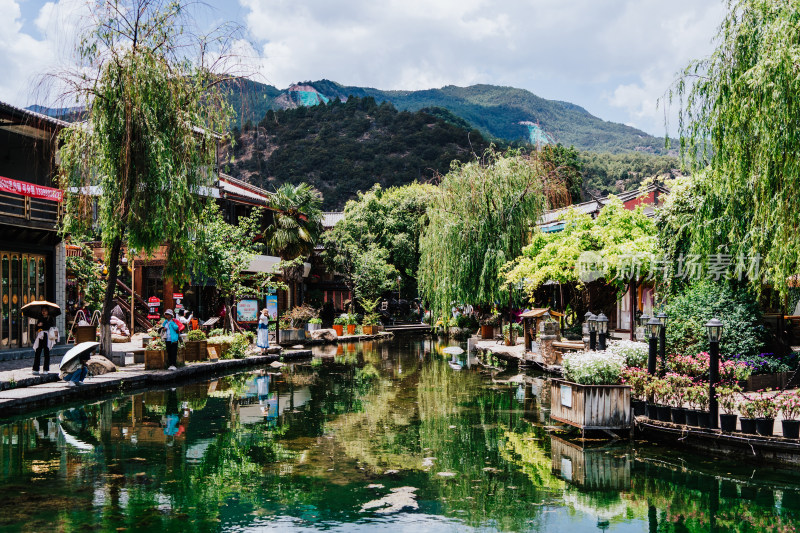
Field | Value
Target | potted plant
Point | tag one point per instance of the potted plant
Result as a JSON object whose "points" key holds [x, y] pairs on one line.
{"points": [[292, 326], [691, 413], [726, 397], [638, 380], [154, 355], [196, 345], [789, 404], [351, 321], [338, 325], [658, 390], [371, 320], [314, 324], [701, 400], [766, 409], [488, 323], [679, 384], [747, 410]]}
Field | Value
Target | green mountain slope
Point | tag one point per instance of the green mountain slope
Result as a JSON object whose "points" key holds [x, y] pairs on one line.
{"points": [[345, 147], [499, 112]]}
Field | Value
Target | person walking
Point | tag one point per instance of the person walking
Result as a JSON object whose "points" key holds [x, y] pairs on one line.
{"points": [[46, 337], [262, 340], [171, 338]]}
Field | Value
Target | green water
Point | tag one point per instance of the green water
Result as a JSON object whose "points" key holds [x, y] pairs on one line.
{"points": [[389, 436]]}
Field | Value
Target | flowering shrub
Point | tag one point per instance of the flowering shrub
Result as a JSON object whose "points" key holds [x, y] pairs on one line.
{"points": [[634, 353], [659, 390], [768, 363], [747, 409], [696, 366], [726, 396], [761, 405], [678, 385], [697, 396], [789, 404], [593, 368], [638, 380]]}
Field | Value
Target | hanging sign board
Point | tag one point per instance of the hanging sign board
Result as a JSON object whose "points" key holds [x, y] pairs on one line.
{"points": [[247, 311], [153, 303], [30, 189], [178, 296]]}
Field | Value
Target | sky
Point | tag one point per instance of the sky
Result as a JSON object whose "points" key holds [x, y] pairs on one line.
{"points": [[615, 58]]}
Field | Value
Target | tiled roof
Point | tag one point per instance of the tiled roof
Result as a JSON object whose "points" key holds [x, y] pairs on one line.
{"points": [[330, 218]]}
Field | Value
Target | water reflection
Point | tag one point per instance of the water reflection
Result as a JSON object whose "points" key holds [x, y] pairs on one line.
{"points": [[363, 436]]}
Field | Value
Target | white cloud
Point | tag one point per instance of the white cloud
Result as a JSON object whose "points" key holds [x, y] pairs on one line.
{"points": [[613, 57]]}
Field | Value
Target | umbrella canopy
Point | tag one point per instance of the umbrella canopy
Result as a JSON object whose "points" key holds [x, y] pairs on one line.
{"points": [[34, 309], [75, 353]]}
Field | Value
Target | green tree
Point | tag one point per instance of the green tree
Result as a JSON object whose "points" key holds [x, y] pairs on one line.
{"points": [[296, 227], [481, 216], [566, 164], [148, 140], [739, 117]]}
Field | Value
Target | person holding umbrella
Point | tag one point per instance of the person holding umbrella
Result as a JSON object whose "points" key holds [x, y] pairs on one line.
{"points": [[44, 313], [73, 365]]}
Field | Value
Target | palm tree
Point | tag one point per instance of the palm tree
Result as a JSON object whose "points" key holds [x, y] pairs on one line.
{"points": [[296, 227]]}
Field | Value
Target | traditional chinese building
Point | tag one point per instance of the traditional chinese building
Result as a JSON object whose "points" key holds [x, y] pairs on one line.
{"points": [[32, 256]]}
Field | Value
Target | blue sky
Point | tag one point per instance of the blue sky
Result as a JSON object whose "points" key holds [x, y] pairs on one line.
{"points": [[613, 57]]}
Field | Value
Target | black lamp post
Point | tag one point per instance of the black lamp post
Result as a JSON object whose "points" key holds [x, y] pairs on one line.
{"points": [[662, 341], [602, 330], [592, 332], [643, 319], [652, 330], [714, 327]]}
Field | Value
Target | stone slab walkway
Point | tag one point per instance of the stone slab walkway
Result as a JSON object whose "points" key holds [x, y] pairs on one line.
{"points": [[51, 391]]}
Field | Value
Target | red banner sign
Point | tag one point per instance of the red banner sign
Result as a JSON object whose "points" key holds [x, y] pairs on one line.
{"points": [[30, 189]]}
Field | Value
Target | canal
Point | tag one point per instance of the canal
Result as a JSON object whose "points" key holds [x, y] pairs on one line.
{"points": [[392, 435]]}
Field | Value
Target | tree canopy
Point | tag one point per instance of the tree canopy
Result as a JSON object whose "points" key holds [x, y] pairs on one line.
{"points": [[618, 245], [481, 216], [739, 116]]}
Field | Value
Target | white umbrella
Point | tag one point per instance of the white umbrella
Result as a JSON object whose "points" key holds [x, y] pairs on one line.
{"points": [[76, 352]]}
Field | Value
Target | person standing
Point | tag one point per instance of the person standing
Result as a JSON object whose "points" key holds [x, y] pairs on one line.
{"points": [[262, 341], [171, 338], [46, 337]]}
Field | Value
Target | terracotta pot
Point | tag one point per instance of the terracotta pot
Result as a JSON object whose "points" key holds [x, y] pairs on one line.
{"points": [[154, 360], [351, 329], [339, 329], [368, 330]]}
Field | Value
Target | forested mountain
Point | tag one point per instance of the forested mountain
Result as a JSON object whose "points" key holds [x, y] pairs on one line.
{"points": [[498, 112], [345, 147]]}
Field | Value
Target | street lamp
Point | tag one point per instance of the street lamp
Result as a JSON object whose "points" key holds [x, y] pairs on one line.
{"points": [[662, 339], [652, 332], [714, 328], [643, 318], [602, 330], [592, 331]]}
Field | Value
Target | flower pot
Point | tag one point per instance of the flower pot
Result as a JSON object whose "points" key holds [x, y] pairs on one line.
{"points": [[351, 329], [154, 360], [339, 329], [487, 332], [664, 414], [728, 422], [704, 419], [765, 426], [313, 327], [368, 330], [639, 407], [791, 429], [748, 425], [691, 417], [678, 415], [86, 334], [650, 411]]}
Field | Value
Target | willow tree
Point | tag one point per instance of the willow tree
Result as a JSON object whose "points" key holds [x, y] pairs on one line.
{"points": [[481, 216], [740, 117], [147, 146]]}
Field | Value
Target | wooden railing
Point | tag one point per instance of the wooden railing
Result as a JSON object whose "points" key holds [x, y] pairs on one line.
{"points": [[27, 208]]}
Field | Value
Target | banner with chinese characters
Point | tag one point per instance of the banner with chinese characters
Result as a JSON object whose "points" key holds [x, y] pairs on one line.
{"points": [[30, 189]]}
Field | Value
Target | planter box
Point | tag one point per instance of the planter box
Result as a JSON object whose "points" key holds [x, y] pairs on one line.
{"points": [[591, 406], [369, 330], [487, 332], [339, 329], [313, 327], [292, 335], [154, 360], [86, 334], [767, 381], [195, 351], [181, 355]]}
